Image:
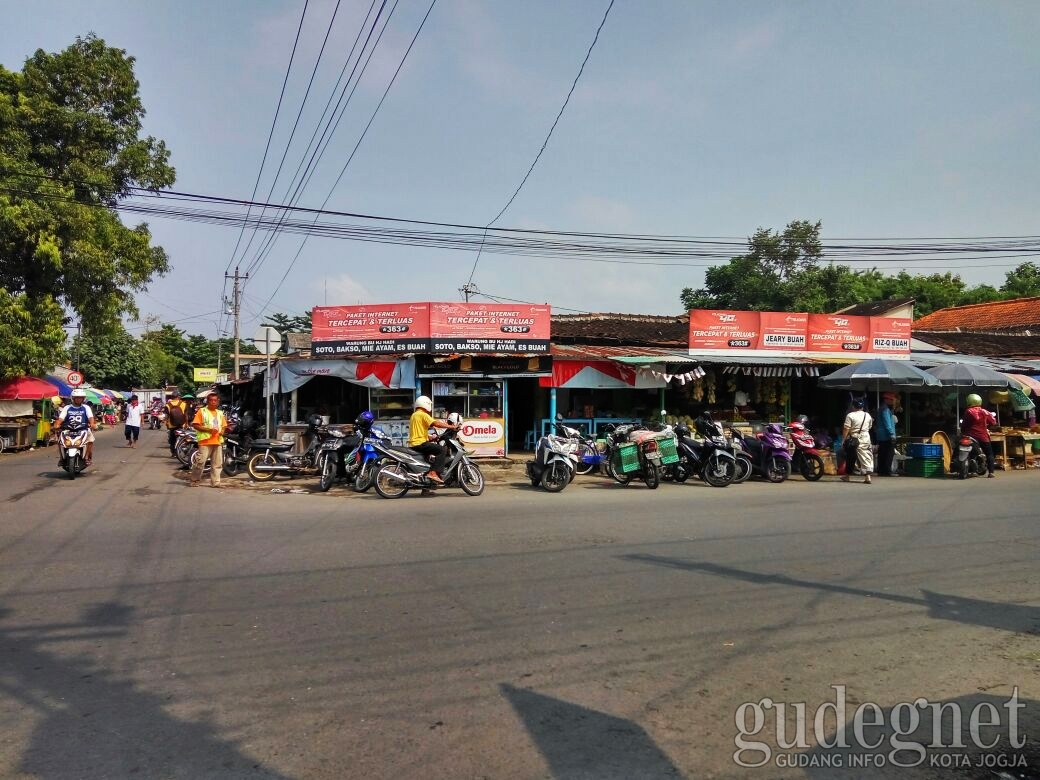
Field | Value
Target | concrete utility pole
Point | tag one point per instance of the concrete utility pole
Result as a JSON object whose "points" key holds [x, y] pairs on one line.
{"points": [[236, 292]]}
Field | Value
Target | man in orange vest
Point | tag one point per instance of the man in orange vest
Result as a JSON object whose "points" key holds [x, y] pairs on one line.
{"points": [[210, 424]]}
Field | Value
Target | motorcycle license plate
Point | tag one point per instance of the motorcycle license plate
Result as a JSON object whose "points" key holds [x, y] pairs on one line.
{"points": [[655, 455]]}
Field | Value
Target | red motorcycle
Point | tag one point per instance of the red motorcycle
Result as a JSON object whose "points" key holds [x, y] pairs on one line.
{"points": [[806, 460]]}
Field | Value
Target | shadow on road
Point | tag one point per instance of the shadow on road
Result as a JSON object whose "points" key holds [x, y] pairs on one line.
{"points": [[90, 724], [583, 744], [992, 614]]}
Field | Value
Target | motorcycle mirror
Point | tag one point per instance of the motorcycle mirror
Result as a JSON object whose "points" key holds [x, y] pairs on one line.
{"points": [[559, 417]]}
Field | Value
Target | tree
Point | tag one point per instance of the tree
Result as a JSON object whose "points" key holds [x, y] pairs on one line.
{"points": [[70, 151], [1023, 282], [284, 323], [32, 339], [116, 360]]}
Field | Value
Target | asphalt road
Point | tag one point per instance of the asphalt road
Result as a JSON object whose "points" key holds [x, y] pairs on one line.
{"points": [[149, 630]]}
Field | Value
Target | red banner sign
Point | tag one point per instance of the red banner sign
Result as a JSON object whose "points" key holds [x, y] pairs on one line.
{"points": [[489, 327], [770, 333], [370, 330]]}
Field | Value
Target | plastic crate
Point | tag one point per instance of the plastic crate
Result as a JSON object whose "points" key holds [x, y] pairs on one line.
{"points": [[924, 450], [669, 452], [629, 454], [925, 467]]}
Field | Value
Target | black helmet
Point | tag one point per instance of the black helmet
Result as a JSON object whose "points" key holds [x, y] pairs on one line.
{"points": [[365, 420], [314, 420], [682, 429]]}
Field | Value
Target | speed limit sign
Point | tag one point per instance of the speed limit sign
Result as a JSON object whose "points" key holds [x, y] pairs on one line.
{"points": [[75, 379]]}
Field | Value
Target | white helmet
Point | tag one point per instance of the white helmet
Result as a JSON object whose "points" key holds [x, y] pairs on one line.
{"points": [[78, 392], [424, 402], [455, 419]]}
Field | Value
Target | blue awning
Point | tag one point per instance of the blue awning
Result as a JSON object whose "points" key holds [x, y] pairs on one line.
{"points": [[64, 389]]}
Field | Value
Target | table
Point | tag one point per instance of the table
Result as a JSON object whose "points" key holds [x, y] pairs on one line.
{"points": [[1019, 446]]}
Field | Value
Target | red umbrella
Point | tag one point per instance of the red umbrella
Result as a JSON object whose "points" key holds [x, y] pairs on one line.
{"points": [[26, 388]]}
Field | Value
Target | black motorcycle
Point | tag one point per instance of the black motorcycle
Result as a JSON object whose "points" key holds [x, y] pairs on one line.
{"points": [[711, 458], [404, 468], [969, 459], [276, 457]]}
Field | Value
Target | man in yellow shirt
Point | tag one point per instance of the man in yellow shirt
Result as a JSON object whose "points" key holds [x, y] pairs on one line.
{"points": [[210, 424], [419, 436]]}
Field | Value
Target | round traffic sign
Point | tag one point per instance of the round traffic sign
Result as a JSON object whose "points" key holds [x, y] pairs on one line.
{"points": [[74, 379]]}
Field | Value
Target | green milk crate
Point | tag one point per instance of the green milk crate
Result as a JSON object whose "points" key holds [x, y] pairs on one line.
{"points": [[925, 467], [629, 454], [669, 452]]}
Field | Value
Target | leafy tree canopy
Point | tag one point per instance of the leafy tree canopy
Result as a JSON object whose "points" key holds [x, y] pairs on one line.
{"points": [[70, 150], [32, 339], [286, 323]]}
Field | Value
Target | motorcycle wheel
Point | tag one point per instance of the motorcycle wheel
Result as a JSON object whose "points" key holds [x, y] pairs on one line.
{"points": [[718, 472], [681, 470], [582, 467], [652, 477], [615, 473], [555, 477], [231, 465], [261, 458], [812, 467], [778, 469], [743, 468], [185, 448], [391, 481], [328, 473], [980, 466], [962, 469], [471, 479], [73, 468], [366, 475]]}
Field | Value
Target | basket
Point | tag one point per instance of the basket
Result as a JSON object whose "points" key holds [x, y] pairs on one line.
{"points": [[669, 452], [918, 450], [629, 455], [925, 467]]}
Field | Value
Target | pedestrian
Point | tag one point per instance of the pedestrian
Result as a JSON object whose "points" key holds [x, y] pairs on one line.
{"points": [[975, 423], [176, 418], [132, 427], [886, 434], [856, 442], [210, 424]]}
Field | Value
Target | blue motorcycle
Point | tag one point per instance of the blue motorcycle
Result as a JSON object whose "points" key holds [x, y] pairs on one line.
{"points": [[352, 457]]}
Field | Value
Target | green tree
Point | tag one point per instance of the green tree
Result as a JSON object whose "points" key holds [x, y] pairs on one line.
{"points": [[1023, 282], [70, 151], [32, 339], [114, 360]]}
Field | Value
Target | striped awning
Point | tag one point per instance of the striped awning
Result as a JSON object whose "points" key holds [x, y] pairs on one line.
{"points": [[1029, 384]]}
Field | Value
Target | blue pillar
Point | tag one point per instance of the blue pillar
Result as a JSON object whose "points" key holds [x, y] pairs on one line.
{"points": [[552, 405]]}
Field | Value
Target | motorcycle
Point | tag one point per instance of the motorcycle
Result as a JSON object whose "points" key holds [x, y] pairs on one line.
{"points": [[770, 457], [969, 459], [352, 458], [806, 460], [275, 457], [72, 449], [156, 419], [710, 459], [555, 460], [404, 468], [637, 452]]}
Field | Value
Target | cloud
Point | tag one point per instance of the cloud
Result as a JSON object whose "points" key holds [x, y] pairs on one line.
{"points": [[341, 290]]}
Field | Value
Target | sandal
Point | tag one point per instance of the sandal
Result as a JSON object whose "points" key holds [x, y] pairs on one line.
{"points": [[193, 483]]}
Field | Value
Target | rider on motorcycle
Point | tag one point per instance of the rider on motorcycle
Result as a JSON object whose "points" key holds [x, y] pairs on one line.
{"points": [[975, 423], [419, 436], [77, 416]]}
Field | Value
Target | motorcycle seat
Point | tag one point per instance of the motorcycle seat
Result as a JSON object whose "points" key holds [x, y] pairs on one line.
{"points": [[271, 444]]}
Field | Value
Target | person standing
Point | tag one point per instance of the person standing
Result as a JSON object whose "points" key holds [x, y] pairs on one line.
{"points": [[210, 424], [975, 423], [886, 434], [856, 436], [176, 418], [132, 427]]}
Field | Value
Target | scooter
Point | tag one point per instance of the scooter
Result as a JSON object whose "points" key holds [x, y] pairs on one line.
{"points": [[351, 457], [710, 459], [969, 459], [770, 457], [72, 449], [404, 469], [806, 460], [555, 460]]}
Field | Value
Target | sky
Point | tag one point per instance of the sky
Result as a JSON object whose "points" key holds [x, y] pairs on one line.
{"points": [[878, 118]]}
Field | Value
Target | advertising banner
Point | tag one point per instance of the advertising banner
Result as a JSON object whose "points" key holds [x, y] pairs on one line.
{"points": [[890, 335], [205, 375], [830, 333], [725, 331], [489, 327], [782, 331], [484, 436], [370, 329]]}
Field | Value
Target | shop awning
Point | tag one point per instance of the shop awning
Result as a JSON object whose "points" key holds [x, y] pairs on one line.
{"points": [[384, 374], [1029, 384], [64, 389], [26, 388]]}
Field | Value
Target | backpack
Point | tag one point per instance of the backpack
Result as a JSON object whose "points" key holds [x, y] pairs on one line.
{"points": [[177, 417]]}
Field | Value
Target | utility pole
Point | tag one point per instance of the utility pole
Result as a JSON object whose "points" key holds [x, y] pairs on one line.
{"points": [[236, 292], [469, 289]]}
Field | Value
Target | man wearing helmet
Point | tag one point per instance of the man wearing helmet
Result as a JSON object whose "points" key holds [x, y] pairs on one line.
{"points": [[419, 436], [77, 416], [975, 423]]}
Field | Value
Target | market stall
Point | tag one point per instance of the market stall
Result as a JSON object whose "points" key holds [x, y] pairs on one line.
{"points": [[24, 403]]}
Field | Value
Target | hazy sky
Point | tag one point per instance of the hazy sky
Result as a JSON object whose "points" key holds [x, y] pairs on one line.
{"points": [[879, 118]]}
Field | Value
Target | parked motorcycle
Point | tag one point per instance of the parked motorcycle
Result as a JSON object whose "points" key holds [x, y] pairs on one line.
{"points": [[806, 460], [637, 452], [770, 457], [404, 469], [275, 457], [711, 458], [555, 460], [352, 457], [969, 460], [72, 449]]}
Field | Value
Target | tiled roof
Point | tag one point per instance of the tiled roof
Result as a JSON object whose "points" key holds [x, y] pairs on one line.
{"points": [[1014, 315], [984, 344], [589, 352], [298, 341], [875, 308], [628, 329]]}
